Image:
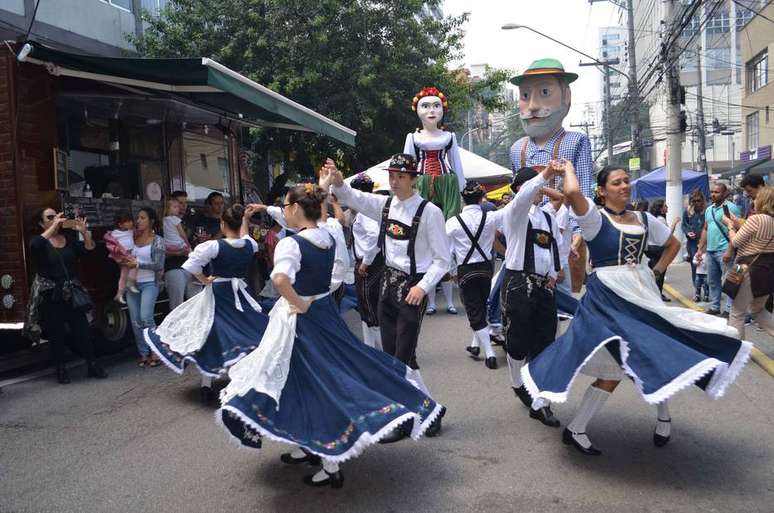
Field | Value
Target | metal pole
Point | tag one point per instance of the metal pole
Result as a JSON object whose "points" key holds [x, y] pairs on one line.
{"points": [[700, 115], [608, 127], [634, 90], [674, 185]]}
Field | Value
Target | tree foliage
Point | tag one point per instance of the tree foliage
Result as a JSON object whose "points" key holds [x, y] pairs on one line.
{"points": [[358, 62]]}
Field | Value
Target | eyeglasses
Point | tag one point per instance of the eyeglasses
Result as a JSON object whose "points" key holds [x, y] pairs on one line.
{"points": [[283, 205], [49, 217]]}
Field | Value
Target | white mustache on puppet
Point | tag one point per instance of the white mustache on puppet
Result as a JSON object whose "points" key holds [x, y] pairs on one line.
{"points": [[542, 113], [545, 122]]}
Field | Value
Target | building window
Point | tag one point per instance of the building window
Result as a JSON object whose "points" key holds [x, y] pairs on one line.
{"points": [[123, 4], [743, 15], [206, 164], [753, 130], [154, 7], [719, 23], [717, 58], [758, 71]]}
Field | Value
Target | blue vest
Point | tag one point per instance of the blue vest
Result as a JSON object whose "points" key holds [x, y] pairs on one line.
{"points": [[611, 246], [314, 277], [232, 262]]}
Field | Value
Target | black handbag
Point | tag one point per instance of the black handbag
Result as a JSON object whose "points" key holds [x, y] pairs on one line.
{"points": [[79, 297]]}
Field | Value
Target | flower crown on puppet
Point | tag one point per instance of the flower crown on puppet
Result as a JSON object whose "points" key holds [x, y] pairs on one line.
{"points": [[430, 91]]}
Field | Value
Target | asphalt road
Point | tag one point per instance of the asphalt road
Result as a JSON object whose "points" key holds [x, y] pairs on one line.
{"points": [[140, 441]]}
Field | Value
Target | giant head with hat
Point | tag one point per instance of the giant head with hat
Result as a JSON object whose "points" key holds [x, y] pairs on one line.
{"points": [[544, 97]]}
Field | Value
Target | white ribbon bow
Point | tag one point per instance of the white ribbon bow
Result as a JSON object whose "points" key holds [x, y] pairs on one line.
{"points": [[237, 285]]}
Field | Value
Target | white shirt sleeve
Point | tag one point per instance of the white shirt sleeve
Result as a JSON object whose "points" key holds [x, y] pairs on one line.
{"points": [[591, 222], [368, 204], [521, 203], [287, 259], [433, 227], [658, 233], [277, 214], [408, 146], [370, 238], [452, 225], [456, 162], [201, 255]]}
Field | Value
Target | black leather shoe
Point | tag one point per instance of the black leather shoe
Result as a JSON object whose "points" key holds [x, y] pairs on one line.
{"points": [[95, 370], [544, 415], [665, 299], [61, 375], [491, 363], [398, 434], [335, 480], [207, 395], [712, 311], [309, 458], [568, 439], [523, 396], [658, 440], [435, 427], [474, 351], [497, 340]]}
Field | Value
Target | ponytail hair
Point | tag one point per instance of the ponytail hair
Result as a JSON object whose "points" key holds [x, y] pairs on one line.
{"points": [[310, 198], [232, 216]]}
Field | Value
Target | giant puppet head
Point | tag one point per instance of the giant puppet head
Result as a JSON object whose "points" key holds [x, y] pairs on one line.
{"points": [[544, 97], [430, 104]]}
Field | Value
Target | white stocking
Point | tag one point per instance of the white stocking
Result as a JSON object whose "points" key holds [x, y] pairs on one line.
{"points": [[592, 402], [663, 428], [474, 341], [206, 381], [446, 287], [415, 378], [376, 337], [366, 334], [431, 298], [515, 367], [483, 336], [328, 467]]}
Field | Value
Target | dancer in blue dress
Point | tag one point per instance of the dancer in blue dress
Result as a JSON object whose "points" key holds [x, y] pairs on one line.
{"points": [[224, 322], [622, 328], [311, 382]]}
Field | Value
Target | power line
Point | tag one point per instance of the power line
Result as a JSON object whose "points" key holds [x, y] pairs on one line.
{"points": [[757, 13]]}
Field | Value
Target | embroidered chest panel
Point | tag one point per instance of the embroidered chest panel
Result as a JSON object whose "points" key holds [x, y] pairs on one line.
{"points": [[397, 230], [542, 238]]}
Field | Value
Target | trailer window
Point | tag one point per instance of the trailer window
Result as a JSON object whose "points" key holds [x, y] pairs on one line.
{"points": [[207, 166]]}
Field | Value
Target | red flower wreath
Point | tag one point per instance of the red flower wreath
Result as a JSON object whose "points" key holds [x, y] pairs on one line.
{"points": [[430, 91]]}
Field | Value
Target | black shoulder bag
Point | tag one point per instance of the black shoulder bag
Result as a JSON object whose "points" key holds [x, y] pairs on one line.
{"points": [[79, 297]]}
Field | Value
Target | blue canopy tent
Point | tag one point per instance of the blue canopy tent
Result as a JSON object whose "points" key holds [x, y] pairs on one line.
{"points": [[653, 185]]}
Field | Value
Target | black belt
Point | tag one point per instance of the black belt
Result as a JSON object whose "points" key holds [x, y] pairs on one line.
{"points": [[536, 280]]}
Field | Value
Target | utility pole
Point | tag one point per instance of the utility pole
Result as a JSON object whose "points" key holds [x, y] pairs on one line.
{"points": [[674, 184], [585, 126], [700, 115], [634, 89], [608, 103]]}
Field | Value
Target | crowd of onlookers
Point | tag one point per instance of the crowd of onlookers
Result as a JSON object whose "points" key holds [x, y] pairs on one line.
{"points": [[726, 233]]}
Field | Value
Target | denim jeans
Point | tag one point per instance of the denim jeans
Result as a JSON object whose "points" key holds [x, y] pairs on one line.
{"points": [[176, 281], [716, 268], [494, 309], [141, 307]]}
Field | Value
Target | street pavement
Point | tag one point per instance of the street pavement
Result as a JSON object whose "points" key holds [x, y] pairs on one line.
{"points": [[140, 441], [679, 276]]}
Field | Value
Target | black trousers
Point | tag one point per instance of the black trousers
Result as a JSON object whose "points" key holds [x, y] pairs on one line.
{"points": [[368, 287], [399, 322], [475, 281], [54, 316], [529, 316]]}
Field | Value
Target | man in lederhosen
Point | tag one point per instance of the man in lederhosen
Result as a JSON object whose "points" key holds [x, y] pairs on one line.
{"points": [[531, 266], [416, 251], [369, 266], [472, 233]]}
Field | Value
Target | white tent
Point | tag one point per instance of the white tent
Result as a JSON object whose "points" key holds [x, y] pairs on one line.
{"points": [[476, 169]]}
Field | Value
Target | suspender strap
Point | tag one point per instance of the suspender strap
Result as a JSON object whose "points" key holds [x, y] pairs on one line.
{"points": [[413, 237], [383, 227], [529, 247], [554, 245], [474, 238], [523, 153]]}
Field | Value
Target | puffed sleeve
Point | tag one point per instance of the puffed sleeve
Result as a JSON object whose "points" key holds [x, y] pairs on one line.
{"points": [[456, 162], [658, 232], [287, 259], [408, 147], [591, 222], [201, 256]]}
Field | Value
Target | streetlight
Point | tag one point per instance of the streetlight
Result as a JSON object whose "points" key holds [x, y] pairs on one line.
{"points": [[514, 26]]}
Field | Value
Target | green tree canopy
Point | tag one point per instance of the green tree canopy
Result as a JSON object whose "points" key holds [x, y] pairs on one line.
{"points": [[358, 62]]}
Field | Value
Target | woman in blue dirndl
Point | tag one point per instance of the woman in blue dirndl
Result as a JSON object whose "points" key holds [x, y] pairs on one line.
{"points": [[224, 322], [622, 328], [311, 382]]}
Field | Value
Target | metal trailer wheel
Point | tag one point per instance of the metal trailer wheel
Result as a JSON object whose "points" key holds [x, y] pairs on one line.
{"points": [[115, 321]]}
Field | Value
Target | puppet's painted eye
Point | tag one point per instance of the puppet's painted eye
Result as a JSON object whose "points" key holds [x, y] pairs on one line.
{"points": [[545, 92], [525, 95]]}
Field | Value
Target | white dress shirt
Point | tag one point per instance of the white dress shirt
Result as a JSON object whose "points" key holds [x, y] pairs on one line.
{"points": [[562, 217], [365, 235], [461, 243], [516, 215], [431, 249], [203, 253], [342, 272]]}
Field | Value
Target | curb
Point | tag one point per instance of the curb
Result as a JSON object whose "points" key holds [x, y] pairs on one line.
{"points": [[757, 355]]}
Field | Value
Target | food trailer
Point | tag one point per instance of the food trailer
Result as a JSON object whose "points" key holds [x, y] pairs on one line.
{"points": [[96, 136]]}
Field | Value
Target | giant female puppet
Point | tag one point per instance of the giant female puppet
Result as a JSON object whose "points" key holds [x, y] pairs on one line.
{"points": [[544, 101], [436, 152]]}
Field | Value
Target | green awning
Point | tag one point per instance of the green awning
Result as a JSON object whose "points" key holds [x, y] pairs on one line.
{"points": [[200, 80]]}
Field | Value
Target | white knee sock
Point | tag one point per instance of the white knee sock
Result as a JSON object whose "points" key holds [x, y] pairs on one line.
{"points": [[483, 336], [663, 428], [474, 341], [446, 287], [298, 453], [376, 337], [431, 298], [328, 467], [592, 402], [540, 402], [515, 368], [415, 378], [366, 334], [206, 381]]}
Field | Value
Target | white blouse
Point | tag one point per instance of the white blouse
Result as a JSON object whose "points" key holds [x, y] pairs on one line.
{"points": [[208, 250], [591, 222], [287, 254]]}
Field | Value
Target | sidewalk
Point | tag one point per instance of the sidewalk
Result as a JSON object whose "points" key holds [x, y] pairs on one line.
{"points": [[679, 277]]}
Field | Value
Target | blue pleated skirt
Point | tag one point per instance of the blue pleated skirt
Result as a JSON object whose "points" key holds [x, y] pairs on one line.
{"points": [[233, 335], [340, 395], [659, 357]]}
